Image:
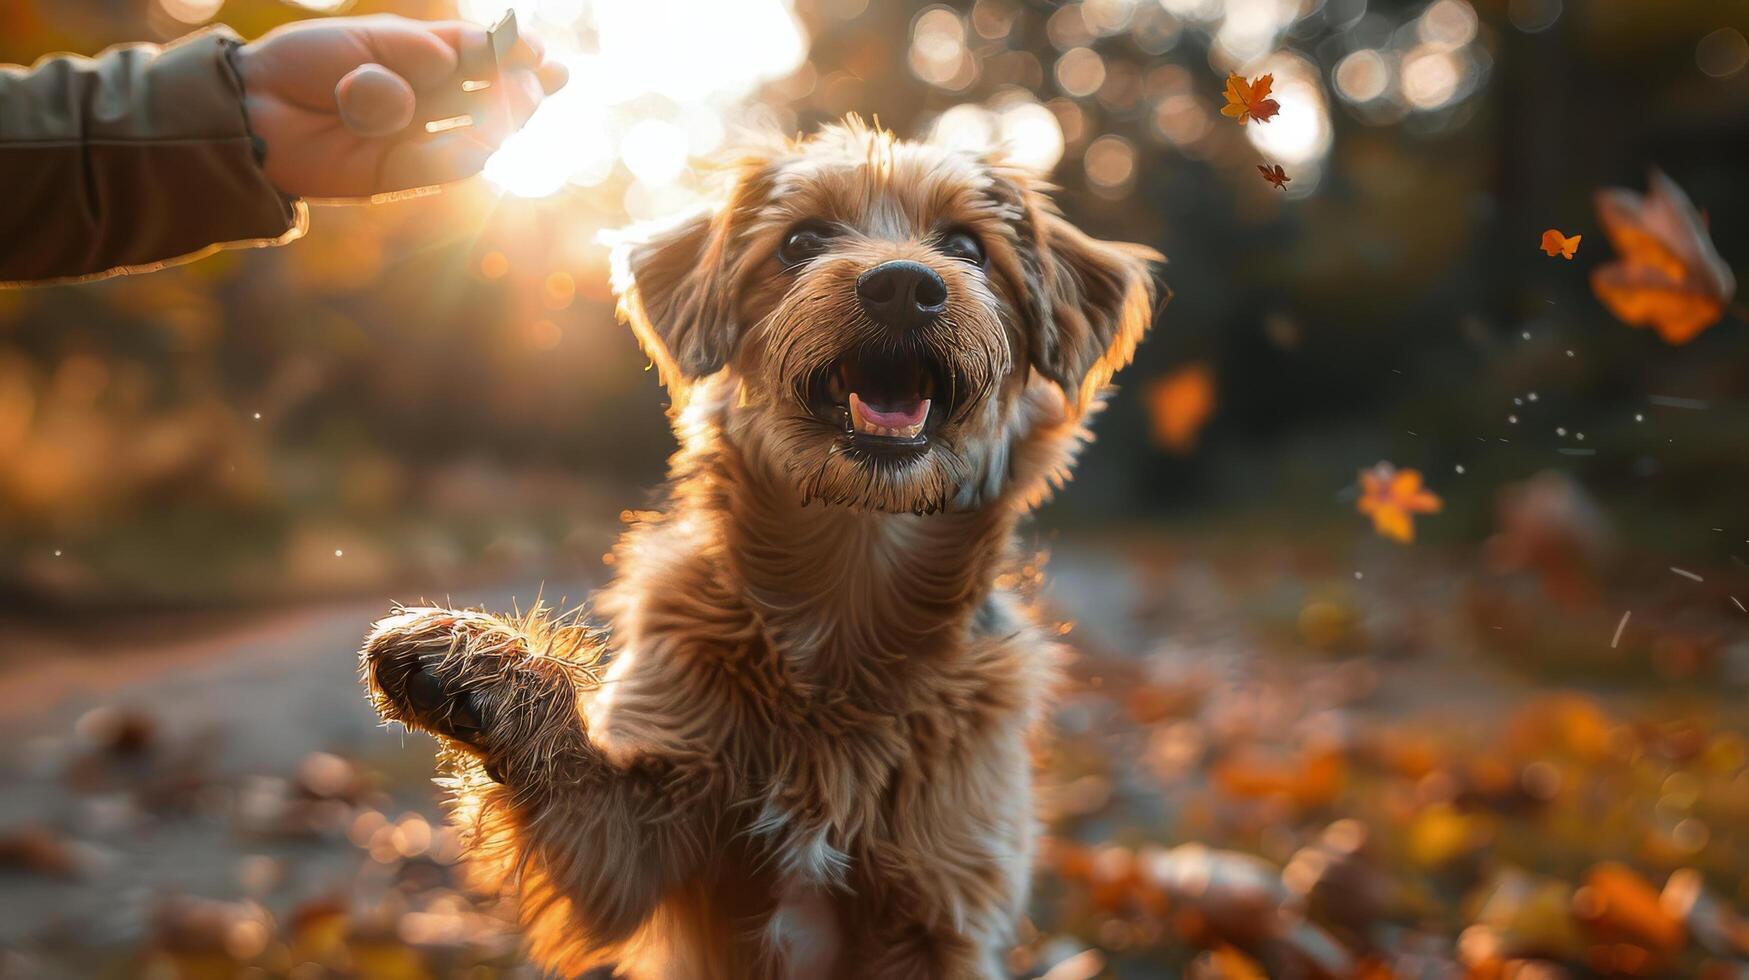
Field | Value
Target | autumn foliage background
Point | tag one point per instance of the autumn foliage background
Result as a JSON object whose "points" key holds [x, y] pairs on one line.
{"points": [[1501, 734]]}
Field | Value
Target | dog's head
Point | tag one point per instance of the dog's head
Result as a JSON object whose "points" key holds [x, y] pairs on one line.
{"points": [[882, 320]]}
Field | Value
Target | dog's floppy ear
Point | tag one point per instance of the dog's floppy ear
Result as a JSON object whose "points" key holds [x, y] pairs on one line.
{"points": [[676, 285], [1087, 302]]}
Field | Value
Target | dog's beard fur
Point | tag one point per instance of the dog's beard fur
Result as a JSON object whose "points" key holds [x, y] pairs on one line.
{"points": [[819, 321]]}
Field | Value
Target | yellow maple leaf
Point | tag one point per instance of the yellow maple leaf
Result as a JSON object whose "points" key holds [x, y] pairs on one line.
{"points": [[1250, 100]]}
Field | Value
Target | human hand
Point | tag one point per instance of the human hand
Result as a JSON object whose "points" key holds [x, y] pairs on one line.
{"points": [[336, 100]]}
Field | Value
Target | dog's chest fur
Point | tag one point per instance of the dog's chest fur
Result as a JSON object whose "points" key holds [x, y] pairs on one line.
{"points": [[865, 733]]}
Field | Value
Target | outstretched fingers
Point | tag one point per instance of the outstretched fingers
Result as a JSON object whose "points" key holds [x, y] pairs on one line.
{"points": [[421, 161]]}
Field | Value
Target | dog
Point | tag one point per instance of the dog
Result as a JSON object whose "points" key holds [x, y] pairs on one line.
{"points": [[800, 746]]}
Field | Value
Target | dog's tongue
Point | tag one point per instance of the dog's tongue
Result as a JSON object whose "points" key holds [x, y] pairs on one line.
{"points": [[899, 415]]}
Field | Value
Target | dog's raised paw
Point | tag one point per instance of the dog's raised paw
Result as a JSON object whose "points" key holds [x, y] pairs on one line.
{"points": [[486, 682], [415, 666]]}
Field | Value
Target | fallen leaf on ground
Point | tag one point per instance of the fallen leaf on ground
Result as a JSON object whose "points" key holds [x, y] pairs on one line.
{"points": [[1250, 100], [1391, 496], [1668, 276], [1528, 914], [1309, 780], [1555, 243], [1227, 963], [1441, 834], [38, 850], [1234, 896], [1709, 919], [1617, 904]]}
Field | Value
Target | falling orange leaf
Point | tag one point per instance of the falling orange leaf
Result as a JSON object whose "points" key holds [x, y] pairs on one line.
{"points": [[1668, 276], [1279, 177], [1250, 100], [1180, 404], [1556, 243], [1390, 496], [1314, 778]]}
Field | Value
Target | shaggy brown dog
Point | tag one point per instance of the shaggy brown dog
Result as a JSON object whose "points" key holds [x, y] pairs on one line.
{"points": [[806, 752]]}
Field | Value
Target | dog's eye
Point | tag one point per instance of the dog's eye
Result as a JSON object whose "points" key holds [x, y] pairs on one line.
{"points": [[803, 243], [963, 245]]}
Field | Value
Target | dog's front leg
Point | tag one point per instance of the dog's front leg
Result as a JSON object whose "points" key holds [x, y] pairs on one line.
{"points": [[589, 845]]}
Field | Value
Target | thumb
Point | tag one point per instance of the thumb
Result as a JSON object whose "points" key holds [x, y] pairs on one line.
{"points": [[374, 101]]}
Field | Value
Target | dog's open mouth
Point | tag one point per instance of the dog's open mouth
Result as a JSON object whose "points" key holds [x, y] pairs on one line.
{"points": [[884, 399]]}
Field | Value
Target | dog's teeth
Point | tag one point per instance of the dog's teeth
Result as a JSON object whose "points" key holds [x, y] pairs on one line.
{"points": [[860, 422]]}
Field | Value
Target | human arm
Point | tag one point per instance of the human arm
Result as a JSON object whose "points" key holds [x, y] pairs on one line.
{"points": [[144, 156]]}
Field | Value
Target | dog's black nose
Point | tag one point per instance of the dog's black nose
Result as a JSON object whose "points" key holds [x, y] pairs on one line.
{"points": [[902, 295]]}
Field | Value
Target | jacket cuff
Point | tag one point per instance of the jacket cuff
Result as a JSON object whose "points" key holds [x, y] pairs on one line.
{"points": [[231, 45], [137, 159], [207, 60]]}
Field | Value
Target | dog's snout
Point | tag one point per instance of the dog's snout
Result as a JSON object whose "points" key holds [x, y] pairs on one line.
{"points": [[902, 295]]}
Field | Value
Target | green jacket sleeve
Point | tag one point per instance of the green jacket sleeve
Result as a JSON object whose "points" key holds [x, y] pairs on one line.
{"points": [[130, 161]]}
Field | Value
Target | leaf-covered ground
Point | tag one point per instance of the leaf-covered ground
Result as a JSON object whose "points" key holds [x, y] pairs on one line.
{"points": [[1264, 764]]}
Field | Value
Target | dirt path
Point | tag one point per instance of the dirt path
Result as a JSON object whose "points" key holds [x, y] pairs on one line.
{"points": [[232, 712]]}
